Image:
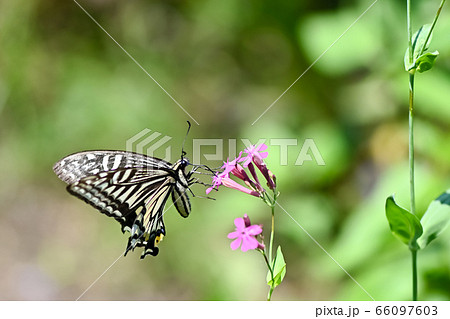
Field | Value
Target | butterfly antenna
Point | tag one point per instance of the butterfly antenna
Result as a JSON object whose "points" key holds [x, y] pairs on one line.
{"points": [[183, 153]]}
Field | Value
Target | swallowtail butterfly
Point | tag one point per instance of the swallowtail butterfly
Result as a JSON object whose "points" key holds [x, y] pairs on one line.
{"points": [[133, 188]]}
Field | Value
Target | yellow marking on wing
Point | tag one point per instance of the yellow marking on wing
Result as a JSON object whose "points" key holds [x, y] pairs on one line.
{"points": [[158, 239]]}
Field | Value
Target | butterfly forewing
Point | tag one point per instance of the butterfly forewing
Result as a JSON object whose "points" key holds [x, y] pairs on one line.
{"points": [[132, 188], [76, 166]]}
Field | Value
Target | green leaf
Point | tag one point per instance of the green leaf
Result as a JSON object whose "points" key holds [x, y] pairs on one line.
{"points": [[435, 219], [426, 61], [419, 47], [403, 224], [419, 38], [279, 270]]}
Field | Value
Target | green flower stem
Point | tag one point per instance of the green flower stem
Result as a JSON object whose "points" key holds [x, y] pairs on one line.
{"points": [[408, 25], [411, 129], [414, 274], [411, 146], [271, 202], [411, 143], [269, 295], [272, 231]]}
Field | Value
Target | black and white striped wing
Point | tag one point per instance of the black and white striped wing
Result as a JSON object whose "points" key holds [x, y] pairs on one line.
{"points": [[132, 188], [134, 197], [76, 166]]}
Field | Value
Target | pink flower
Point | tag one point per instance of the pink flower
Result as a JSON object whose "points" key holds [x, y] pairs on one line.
{"points": [[227, 168], [251, 168], [270, 177], [245, 234], [217, 181], [255, 156], [254, 151], [240, 173], [228, 182]]}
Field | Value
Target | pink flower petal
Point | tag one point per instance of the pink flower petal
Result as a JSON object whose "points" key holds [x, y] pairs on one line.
{"points": [[254, 230], [228, 182], [228, 166], [234, 234], [249, 243], [236, 243], [240, 224], [261, 147], [217, 181], [246, 160], [263, 154], [254, 152], [225, 173]]}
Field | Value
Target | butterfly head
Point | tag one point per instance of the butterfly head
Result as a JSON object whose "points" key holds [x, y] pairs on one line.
{"points": [[184, 162]]}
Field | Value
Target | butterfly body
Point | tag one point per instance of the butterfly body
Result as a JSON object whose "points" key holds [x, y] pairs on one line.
{"points": [[130, 187]]}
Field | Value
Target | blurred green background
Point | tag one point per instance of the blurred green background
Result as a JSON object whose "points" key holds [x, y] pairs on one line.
{"points": [[66, 87]]}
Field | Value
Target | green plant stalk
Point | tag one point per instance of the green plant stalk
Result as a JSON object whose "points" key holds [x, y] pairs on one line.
{"points": [[411, 144], [272, 202], [269, 295], [414, 273], [411, 130], [272, 231], [408, 26], [411, 178]]}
